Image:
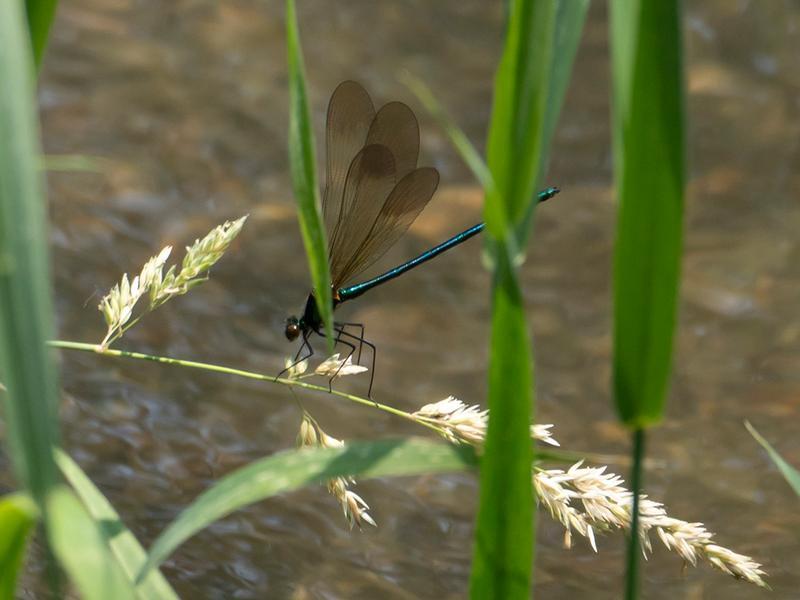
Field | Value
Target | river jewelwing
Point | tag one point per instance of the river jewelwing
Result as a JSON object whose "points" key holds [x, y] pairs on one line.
{"points": [[373, 192]]}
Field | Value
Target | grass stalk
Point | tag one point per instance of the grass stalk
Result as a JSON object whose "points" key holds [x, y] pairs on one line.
{"points": [[634, 540]]}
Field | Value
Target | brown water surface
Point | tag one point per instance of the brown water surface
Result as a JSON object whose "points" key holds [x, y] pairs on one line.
{"points": [[187, 102]]}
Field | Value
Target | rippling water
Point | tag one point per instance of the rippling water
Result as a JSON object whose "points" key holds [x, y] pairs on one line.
{"points": [[187, 102]]}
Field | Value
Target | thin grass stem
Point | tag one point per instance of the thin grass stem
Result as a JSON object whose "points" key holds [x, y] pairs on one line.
{"points": [[634, 541], [84, 347]]}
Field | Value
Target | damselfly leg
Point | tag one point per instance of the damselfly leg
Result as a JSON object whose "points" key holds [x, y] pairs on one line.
{"points": [[341, 326], [361, 341], [297, 359], [338, 340]]}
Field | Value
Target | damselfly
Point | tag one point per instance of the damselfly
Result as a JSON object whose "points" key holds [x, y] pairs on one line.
{"points": [[373, 192]]}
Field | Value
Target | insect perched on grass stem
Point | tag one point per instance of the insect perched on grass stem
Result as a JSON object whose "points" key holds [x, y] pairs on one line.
{"points": [[373, 192]]}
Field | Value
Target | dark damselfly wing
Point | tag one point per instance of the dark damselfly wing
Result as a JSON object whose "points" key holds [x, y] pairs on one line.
{"points": [[350, 114], [369, 204], [405, 202], [370, 179], [395, 126]]}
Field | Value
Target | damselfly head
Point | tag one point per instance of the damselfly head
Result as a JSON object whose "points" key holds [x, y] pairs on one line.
{"points": [[292, 328]]}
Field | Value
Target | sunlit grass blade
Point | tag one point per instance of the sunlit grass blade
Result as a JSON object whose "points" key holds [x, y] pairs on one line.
{"points": [[40, 15], [81, 549], [503, 546], [123, 544], [18, 515], [789, 473], [292, 469], [26, 310], [302, 160], [648, 127], [537, 55]]}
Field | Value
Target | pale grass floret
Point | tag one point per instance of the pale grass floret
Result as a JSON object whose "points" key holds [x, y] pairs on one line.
{"points": [[732, 563], [588, 499], [353, 506], [199, 258], [307, 436], [460, 423], [583, 498], [118, 305], [336, 367], [293, 369]]}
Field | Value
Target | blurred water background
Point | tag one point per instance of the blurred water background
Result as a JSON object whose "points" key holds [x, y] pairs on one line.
{"points": [[186, 103]]}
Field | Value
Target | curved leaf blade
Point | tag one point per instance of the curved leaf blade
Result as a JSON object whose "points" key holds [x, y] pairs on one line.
{"points": [[293, 469], [123, 544], [790, 474], [18, 515], [81, 549]]}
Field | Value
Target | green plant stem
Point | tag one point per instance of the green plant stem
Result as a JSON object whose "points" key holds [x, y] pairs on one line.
{"points": [[83, 347], [632, 578]]}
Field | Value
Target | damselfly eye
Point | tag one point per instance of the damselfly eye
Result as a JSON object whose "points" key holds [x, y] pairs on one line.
{"points": [[292, 328]]}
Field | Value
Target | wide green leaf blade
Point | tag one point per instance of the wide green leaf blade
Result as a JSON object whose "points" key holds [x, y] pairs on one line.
{"points": [[123, 544], [503, 547], [648, 131], [293, 469], [302, 161], [529, 86], [17, 517], [40, 17], [26, 366], [81, 549], [789, 473]]}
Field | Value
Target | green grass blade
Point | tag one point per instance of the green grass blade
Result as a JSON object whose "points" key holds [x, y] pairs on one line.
{"points": [[26, 310], [123, 544], [789, 473], [503, 547], [40, 16], [519, 106], [529, 88], [648, 130], [81, 549], [302, 160], [293, 469], [18, 515], [569, 19]]}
